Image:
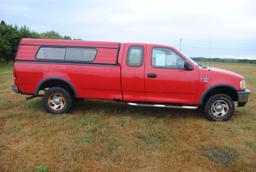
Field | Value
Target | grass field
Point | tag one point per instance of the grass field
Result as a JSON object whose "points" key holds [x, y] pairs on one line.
{"points": [[107, 136]]}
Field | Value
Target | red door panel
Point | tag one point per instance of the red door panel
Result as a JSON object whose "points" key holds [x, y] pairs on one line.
{"points": [[132, 77], [169, 85]]}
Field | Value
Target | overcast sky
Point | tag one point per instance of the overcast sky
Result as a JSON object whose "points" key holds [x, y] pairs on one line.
{"points": [[231, 24]]}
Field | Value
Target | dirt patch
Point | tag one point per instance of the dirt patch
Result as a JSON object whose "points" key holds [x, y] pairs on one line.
{"points": [[221, 155]]}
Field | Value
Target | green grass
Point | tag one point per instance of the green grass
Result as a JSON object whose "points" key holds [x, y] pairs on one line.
{"points": [[43, 168], [108, 136], [5, 70]]}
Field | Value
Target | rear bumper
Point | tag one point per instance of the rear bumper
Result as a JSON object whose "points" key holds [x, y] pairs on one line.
{"points": [[15, 89], [243, 97]]}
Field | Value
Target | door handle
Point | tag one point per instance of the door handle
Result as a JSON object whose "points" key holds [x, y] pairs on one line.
{"points": [[152, 75]]}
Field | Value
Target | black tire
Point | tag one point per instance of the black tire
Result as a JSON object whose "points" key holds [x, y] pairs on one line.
{"points": [[57, 97], [219, 107]]}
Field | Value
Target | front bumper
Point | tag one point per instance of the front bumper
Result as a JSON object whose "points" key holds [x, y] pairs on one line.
{"points": [[15, 89], [243, 97]]}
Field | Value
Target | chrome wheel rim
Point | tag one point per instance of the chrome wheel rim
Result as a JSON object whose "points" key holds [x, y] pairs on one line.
{"points": [[56, 101], [220, 108]]}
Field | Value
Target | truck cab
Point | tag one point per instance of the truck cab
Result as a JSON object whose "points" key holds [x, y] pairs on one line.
{"points": [[135, 73]]}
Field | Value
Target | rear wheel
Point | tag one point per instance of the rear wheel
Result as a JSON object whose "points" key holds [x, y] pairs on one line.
{"points": [[219, 107], [57, 100]]}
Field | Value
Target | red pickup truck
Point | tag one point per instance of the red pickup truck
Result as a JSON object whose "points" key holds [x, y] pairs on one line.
{"points": [[138, 74]]}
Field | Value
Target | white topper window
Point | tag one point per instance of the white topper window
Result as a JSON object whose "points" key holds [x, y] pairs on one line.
{"points": [[51, 53], [67, 53], [166, 58], [81, 54]]}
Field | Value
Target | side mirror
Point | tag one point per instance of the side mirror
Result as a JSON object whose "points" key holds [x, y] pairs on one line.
{"points": [[187, 66]]}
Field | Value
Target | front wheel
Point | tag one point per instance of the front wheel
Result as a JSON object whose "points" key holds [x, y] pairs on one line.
{"points": [[219, 107], [57, 100]]}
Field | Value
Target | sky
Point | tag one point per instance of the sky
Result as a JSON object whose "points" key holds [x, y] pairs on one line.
{"points": [[208, 28]]}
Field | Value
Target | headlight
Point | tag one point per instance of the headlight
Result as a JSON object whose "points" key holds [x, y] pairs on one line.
{"points": [[242, 85]]}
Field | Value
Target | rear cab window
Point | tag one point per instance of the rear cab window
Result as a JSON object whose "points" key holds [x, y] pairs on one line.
{"points": [[135, 56]]}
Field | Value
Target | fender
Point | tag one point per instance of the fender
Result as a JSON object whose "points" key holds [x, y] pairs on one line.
{"points": [[54, 78], [213, 87]]}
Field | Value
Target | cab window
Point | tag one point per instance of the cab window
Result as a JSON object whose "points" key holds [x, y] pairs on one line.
{"points": [[135, 56], [167, 58]]}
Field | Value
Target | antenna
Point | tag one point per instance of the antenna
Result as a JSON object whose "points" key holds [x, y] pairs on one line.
{"points": [[210, 42], [180, 43]]}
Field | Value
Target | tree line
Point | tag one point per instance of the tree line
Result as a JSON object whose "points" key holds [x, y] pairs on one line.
{"points": [[10, 36], [223, 60]]}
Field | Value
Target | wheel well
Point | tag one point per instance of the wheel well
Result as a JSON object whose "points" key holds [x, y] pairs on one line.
{"points": [[56, 83], [220, 90]]}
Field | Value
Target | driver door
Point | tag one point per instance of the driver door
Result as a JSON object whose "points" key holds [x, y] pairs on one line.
{"points": [[166, 79]]}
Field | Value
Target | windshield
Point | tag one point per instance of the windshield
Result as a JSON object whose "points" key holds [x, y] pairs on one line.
{"points": [[197, 64], [193, 61]]}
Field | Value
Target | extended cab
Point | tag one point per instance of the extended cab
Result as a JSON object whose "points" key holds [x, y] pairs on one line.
{"points": [[138, 74]]}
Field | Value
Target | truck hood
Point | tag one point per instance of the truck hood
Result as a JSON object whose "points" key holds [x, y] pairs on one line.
{"points": [[225, 72], [217, 76]]}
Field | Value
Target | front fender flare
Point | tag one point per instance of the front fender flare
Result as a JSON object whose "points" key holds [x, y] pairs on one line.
{"points": [[212, 88]]}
